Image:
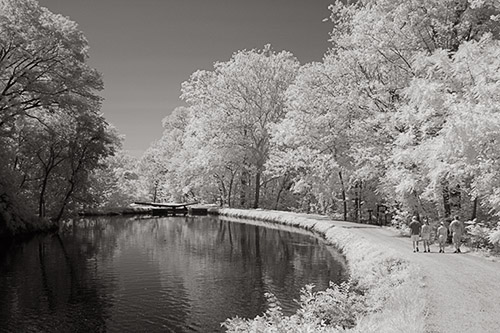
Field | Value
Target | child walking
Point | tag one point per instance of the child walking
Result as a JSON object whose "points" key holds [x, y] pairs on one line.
{"points": [[425, 233], [442, 234]]}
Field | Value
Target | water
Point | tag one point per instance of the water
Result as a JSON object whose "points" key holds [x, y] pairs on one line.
{"points": [[156, 275]]}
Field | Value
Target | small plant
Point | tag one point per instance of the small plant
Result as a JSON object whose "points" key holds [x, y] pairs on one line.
{"points": [[338, 306]]}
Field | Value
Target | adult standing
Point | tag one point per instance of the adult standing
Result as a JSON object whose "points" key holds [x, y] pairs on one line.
{"points": [[456, 229], [415, 232]]}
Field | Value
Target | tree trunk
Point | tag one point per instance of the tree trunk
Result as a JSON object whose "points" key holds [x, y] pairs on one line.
{"points": [[360, 201], [474, 209], [222, 190], [344, 199], [41, 200], [446, 200], [155, 193], [257, 189], [73, 182], [230, 190], [282, 187], [356, 203], [243, 188], [456, 199], [65, 201]]}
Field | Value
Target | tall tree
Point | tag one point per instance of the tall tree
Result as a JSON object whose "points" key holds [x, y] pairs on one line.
{"points": [[166, 159], [242, 98], [313, 140], [385, 47], [50, 124]]}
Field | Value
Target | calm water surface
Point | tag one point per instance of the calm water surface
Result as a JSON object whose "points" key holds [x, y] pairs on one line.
{"points": [[178, 274]]}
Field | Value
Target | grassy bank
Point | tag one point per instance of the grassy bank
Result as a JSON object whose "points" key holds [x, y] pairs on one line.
{"points": [[391, 299]]}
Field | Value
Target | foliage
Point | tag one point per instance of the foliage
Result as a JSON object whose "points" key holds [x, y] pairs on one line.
{"points": [[166, 160], [401, 112], [117, 183], [400, 220], [477, 234], [483, 235], [52, 135], [494, 236], [330, 310], [226, 139], [42, 64]]}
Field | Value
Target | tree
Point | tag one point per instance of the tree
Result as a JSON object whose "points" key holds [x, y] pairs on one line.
{"points": [[457, 122], [55, 160], [313, 140], [163, 162], [383, 46], [42, 64], [118, 182], [51, 131], [236, 104]]}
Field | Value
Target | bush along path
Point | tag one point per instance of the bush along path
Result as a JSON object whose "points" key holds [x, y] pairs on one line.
{"points": [[402, 291]]}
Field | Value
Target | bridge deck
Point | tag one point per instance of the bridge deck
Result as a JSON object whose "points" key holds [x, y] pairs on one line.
{"points": [[166, 205]]}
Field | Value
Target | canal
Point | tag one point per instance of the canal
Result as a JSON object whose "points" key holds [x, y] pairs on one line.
{"points": [[174, 274]]}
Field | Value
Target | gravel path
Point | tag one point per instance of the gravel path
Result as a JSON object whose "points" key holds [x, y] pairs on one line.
{"points": [[463, 290]]}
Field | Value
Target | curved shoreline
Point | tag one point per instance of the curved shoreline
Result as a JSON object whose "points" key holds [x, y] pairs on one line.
{"points": [[332, 248], [392, 284]]}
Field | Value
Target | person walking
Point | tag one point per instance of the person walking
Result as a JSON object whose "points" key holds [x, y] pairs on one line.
{"points": [[415, 232], [425, 233], [456, 229], [447, 222], [442, 235]]}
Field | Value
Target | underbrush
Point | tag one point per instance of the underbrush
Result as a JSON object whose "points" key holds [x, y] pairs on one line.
{"points": [[16, 221], [483, 235], [383, 294]]}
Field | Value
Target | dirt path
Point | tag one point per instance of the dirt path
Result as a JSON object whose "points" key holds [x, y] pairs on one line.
{"points": [[463, 290]]}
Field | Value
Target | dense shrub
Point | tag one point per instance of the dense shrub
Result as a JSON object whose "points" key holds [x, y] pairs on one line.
{"points": [[483, 235], [331, 310]]}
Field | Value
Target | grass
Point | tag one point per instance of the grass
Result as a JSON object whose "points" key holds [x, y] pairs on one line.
{"points": [[393, 299]]}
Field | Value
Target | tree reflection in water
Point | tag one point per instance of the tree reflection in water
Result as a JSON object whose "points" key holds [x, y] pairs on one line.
{"points": [[186, 274]]}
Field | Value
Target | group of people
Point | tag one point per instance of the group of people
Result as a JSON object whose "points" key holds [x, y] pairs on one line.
{"points": [[423, 232]]}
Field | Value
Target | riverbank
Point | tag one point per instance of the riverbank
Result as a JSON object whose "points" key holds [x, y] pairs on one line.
{"points": [[393, 299], [21, 229], [149, 209], [114, 211]]}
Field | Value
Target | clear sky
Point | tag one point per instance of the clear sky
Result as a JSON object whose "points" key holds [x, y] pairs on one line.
{"points": [[145, 49]]}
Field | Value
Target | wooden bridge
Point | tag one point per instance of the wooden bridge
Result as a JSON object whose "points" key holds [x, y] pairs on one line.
{"points": [[173, 209]]}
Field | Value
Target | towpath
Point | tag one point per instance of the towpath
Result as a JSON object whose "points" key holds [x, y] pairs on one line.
{"points": [[463, 290]]}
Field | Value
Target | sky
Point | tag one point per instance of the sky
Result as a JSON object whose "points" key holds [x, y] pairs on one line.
{"points": [[145, 49]]}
